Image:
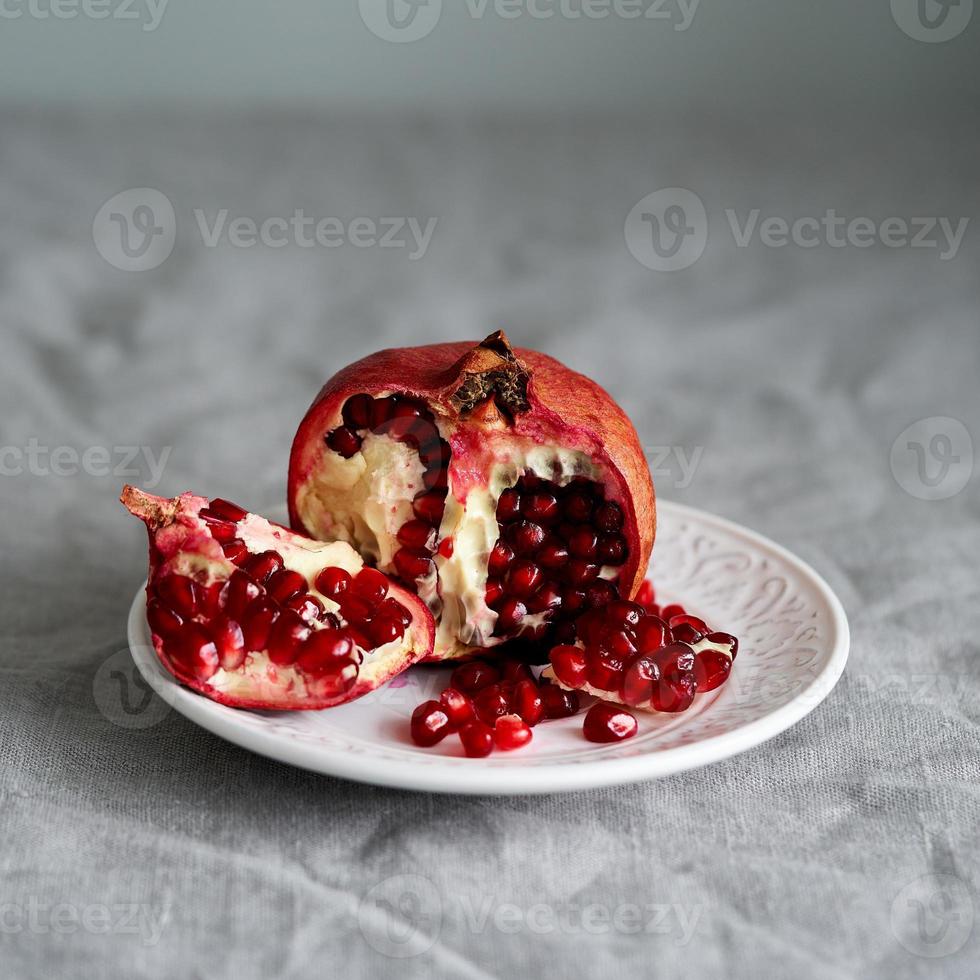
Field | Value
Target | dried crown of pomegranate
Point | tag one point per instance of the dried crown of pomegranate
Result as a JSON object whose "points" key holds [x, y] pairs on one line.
{"points": [[530, 471], [254, 615]]}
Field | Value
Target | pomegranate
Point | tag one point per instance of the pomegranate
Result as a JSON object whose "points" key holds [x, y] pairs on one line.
{"points": [[608, 723], [509, 491], [626, 652], [255, 616]]}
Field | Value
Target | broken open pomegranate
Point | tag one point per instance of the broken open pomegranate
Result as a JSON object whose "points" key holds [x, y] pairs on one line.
{"points": [[256, 616], [509, 491]]}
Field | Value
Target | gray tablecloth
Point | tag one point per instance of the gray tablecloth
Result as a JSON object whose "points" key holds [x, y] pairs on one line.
{"points": [[136, 845]]}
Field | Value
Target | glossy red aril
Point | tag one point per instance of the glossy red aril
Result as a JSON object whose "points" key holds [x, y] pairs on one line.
{"points": [[473, 676], [477, 739], [606, 722], [471, 426], [711, 669], [430, 724], [510, 732], [255, 635], [526, 702], [491, 703], [458, 707], [557, 702]]}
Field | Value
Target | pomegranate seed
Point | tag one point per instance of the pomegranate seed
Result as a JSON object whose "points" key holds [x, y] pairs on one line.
{"points": [[675, 657], [578, 506], [553, 555], [446, 548], [163, 621], [579, 572], [523, 579], [458, 707], [342, 440], [179, 593], [619, 643], [599, 594], [430, 724], [393, 609], [220, 530], [429, 506], [263, 565], [508, 506], [624, 613], [641, 675], [287, 633], [258, 621], [608, 517], [573, 600], [370, 584], [652, 633], [557, 702], [510, 614], [569, 664], [541, 507], [436, 453], [415, 534], [333, 582], [381, 410], [527, 702], [235, 550], [474, 676], [510, 732], [612, 549], [477, 739], [608, 723], [675, 692], [239, 593], [285, 584], [685, 633], [725, 638], [668, 612], [436, 478], [698, 624], [193, 651], [711, 669], [324, 651], [653, 609], [385, 629], [227, 510], [525, 537], [306, 606], [645, 593], [412, 563], [336, 682], [494, 593], [357, 411], [491, 703], [356, 609], [500, 558], [406, 408], [229, 642], [209, 598], [605, 671], [547, 599], [583, 543]]}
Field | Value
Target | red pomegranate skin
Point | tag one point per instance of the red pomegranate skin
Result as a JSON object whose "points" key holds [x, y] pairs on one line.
{"points": [[564, 408]]}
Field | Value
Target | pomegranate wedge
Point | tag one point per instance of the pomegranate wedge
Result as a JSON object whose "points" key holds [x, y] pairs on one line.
{"points": [[509, 491], [253, 615]]}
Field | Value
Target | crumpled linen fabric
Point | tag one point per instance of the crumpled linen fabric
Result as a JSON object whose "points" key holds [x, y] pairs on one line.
{"points": [[136, 844]]}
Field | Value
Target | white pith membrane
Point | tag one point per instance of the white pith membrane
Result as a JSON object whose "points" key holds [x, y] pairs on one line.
{"points": [[699, 647], [365, 499], [258, 678]]}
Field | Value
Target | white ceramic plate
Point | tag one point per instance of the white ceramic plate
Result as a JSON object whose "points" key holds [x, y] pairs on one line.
{"points": [[793, 637]]}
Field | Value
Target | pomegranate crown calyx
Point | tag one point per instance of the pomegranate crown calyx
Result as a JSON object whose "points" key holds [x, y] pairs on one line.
{"points": [[491, 371]]}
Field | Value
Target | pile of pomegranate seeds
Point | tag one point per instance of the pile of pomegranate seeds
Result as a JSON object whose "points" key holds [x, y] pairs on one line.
{"points": [[408, 421], [554, 543], [642, 655], [264, 606]]}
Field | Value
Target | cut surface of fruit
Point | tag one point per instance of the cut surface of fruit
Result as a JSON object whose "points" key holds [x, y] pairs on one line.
{"points": [[625, 652], [253, 615], [509, 491]]}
